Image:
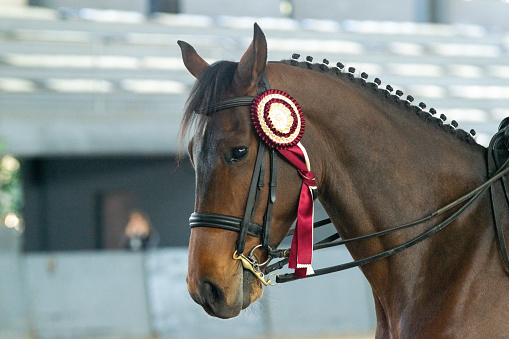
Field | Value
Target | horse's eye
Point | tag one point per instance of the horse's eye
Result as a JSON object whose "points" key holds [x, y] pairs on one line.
{"points": [[238, 153]]}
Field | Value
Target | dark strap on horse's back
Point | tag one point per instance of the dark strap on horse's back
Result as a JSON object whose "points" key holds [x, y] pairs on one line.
{"points": [[498, 148]]}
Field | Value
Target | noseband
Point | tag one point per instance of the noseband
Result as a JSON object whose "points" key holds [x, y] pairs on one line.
{"points": [[497, 169]]}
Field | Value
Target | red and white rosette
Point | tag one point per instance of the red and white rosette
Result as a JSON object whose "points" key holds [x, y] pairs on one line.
{"points": [[278, 119]]}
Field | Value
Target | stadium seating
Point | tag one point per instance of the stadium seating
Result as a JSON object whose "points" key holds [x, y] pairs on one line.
{"points": [[91, 81]]}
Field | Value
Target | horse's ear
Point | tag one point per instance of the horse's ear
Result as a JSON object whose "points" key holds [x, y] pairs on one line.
{"points": [[252, 64], [193, 62]]}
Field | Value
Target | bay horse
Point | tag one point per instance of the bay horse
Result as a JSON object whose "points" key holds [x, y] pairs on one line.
{"points": [[378, 162]]}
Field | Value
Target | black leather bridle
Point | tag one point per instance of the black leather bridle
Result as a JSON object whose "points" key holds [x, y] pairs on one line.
{"points": [[246, 226]]}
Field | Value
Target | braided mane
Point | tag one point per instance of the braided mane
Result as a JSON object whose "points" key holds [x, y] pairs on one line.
{"points": [[396, 99], [219, 76]]}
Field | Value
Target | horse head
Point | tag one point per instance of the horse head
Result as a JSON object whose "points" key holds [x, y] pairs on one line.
{"points": [[224, 151]]}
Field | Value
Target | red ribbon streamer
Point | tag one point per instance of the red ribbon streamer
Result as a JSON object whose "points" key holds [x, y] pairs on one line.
{"points": [[301, 251]]}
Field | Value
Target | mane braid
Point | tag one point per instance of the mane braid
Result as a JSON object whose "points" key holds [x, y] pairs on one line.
{"points": [[385, 94]]}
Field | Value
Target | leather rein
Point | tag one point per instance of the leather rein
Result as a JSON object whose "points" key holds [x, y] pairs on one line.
{"points": [[246, 226]]}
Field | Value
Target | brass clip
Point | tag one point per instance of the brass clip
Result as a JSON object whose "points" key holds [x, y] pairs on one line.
{"points": [[253, 267]]}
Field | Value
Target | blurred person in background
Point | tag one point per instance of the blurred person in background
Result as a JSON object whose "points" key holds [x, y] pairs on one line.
{"points": [[139, 234]]}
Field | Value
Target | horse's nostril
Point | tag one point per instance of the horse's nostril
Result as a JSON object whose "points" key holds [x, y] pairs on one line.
{"points": [[212, 296], [211, 291]]}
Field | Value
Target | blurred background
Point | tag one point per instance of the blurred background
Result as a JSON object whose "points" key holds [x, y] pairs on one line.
{"points": [[94, 206]]}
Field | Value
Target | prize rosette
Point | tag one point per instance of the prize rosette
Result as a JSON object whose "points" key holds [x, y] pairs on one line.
{"points": [[278, 119]]}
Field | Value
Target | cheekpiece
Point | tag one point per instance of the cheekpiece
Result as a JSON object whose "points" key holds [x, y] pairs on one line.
{"points": [[278, 119]]}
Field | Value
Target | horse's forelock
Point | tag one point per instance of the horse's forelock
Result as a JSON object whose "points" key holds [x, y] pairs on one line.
{"points": [[206, 91]]}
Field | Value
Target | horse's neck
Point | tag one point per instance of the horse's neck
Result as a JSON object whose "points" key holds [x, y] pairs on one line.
{"points": [[382, 165], [388, 168], [378, 167]]}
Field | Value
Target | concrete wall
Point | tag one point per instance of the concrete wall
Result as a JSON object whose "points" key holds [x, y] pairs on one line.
{"points": [[14, 322], [393, 10], [478, 12], [260, 8], [117, 294], [485, 13], [13, 3], [84, 295], [131, 5], [293, 309]]}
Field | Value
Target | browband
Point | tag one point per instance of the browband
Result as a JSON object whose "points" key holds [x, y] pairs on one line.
{"points": [[228, 103]]}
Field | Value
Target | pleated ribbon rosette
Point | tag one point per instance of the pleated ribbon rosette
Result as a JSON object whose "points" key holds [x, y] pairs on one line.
{"points": [[279, 121]]}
